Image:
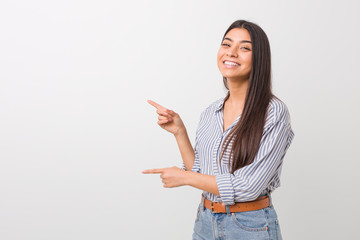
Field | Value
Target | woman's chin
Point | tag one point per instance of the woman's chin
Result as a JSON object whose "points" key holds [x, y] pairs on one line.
{"points": [[232, 78]]}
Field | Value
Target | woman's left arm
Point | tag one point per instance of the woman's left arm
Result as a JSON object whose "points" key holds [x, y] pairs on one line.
{"points": [[176, 177], [246, 182]]}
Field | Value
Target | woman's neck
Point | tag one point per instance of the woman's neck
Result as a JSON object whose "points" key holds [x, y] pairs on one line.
{"points": [[238, 92]]}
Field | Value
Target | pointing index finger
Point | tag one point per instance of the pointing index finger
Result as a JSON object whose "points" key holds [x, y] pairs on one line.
{"points": [[152, 171], [158, 106]]}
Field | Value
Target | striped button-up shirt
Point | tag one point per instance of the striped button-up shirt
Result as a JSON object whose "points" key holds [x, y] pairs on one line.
{"points": [[255, 179]]}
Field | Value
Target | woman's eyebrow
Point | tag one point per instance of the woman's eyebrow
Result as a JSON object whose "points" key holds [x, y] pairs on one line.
{"points": [[243, 41]]}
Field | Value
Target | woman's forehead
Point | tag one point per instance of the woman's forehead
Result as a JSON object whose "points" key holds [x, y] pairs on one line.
{"points": [[238, 35]]}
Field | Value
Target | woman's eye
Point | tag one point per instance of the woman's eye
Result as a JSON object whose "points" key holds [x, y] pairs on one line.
{"points": [[245, 48], [225, 44]]}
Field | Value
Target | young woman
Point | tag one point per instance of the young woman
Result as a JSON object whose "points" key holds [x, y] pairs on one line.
{"points": [[240, 143]]}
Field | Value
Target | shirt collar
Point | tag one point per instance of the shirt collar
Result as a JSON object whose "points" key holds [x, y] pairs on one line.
{"points": [[221, 101], [219, 105]]}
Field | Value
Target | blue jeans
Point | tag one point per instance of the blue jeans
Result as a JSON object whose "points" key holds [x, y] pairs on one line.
{"points": [[255, 225]]}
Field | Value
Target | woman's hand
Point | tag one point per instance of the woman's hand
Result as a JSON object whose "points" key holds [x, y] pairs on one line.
{"points": [[168, 119], [176, 177], [171, 177]]}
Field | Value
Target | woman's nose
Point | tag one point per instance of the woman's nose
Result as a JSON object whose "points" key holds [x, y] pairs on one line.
{"points": [[232, 53]]}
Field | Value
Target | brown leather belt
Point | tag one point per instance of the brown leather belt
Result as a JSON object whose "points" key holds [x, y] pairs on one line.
{"points": [[219, 207]]}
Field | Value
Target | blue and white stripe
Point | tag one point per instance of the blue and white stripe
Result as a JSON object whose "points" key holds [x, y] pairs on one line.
{"points": [[255, 179]]}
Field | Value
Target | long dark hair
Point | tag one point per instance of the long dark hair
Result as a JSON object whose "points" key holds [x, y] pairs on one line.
{"points": [[247, 133]]}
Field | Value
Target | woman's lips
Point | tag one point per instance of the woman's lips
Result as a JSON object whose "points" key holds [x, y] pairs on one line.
{"points": [[231, 64]]}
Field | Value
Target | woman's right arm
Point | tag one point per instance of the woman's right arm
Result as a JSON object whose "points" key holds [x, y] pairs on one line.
{"points": [[186, 149], [171, 122]]}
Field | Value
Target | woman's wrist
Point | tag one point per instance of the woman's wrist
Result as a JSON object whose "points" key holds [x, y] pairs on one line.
{"points": [[201, 181], [181, 132], [188, 175]]}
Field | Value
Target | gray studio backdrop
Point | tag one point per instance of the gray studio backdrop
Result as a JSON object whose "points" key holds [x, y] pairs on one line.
{"points": [[76, 130]]}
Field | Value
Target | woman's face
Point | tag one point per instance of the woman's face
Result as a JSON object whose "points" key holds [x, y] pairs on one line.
{"points": [[235, 54]]}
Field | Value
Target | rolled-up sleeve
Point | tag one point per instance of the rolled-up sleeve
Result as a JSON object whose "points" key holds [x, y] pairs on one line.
{"points": [[247, 183]]}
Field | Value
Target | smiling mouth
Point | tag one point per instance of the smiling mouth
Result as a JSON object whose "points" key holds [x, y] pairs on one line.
{"points": [[231, 64]]}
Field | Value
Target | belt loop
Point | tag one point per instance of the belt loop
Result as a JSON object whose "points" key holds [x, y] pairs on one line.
{"points": [[227, 210], [270, 198], [202, 202]]}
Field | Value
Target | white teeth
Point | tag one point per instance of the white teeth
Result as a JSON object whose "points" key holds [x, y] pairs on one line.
{"points": [[231, 63]]}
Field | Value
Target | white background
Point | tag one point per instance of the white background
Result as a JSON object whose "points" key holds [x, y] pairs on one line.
{"points": [[76, 130]]}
